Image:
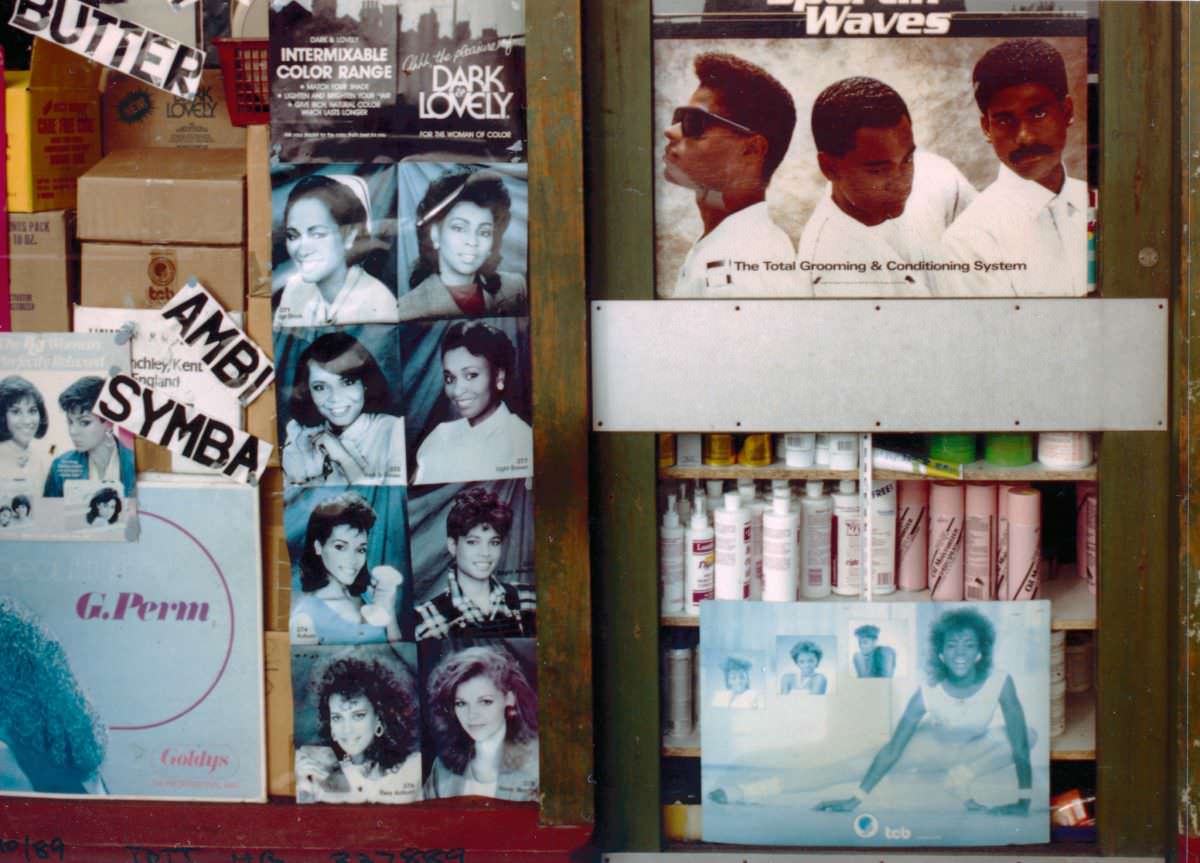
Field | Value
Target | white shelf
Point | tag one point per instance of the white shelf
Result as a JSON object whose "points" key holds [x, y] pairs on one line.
{"points": [[1073, 606]]}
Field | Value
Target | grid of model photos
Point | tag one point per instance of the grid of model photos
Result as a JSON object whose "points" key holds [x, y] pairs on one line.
{"points": [[401, 335]]}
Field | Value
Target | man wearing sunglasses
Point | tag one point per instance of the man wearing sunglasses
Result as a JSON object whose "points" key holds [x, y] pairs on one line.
{"points": [[877, 229], [724, 145]]}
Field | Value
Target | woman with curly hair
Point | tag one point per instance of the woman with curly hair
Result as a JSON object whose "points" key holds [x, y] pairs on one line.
{"points": [[370, 750], [807, 656], [475, 603], [947, 730], [23, 418], [104, 508], [340, 601], [484, 716], [51, 740], [461, 222]]}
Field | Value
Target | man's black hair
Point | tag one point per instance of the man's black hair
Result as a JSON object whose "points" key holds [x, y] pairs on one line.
{"points": [[1016, 62], [851, 104], [750, 95]]}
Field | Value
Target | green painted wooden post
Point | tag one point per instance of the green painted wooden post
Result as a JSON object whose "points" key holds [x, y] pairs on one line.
{"points": [[559, 334], [621, 266], [1137, 602]]}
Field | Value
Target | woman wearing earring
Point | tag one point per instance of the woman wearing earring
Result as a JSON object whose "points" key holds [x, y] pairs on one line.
{"points": [[484, 715], [327, 222], [340, 601], [22, 419], [368, 725], [461, 222], [487, 441], [98, 455]]}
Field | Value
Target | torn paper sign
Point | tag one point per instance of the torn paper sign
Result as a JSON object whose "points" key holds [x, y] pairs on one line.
{"points": [[158, 60], [208, 441], [232, 356]]}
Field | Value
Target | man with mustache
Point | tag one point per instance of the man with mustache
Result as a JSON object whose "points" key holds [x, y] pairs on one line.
{"points": [[1033, 215], [887, 203], [724, 145]]}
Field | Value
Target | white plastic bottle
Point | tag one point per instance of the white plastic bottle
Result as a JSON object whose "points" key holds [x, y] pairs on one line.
{"points": [[732, 526], [883, 536], [815, 544], [699, 546], [822, 449], [757, 506], [715, 497], [780, 569], [670, 561], [847, 535], [843, 451], [684, 503]]}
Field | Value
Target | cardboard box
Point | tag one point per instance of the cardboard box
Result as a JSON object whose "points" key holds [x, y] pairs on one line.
{"points": [[277, 563], [258, 211], [260, 413], [280, 753], [43, 270], [138, 115], [131, 276], [53, 119], [165, 195]]}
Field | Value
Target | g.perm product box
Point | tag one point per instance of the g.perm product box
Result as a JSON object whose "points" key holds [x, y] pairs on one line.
{"points": [[52, 114]]}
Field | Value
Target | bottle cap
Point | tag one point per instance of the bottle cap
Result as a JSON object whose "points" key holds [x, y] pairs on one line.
{"points": [[1024, 506], [981, 498], [733, 501], [671, 516], [946, 497], [814, 488], [780, 505], [847, 486]]}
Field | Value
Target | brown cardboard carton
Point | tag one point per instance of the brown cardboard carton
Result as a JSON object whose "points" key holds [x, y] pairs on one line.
{"points": [[138, 115], [258, 211], [277, 565], [43, 270], [260, 413], [280, 761], [52, 116], [130, 276], [165, 195]]}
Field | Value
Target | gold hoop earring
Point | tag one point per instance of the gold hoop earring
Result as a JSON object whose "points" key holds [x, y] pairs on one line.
{"points": [[378, 728]]}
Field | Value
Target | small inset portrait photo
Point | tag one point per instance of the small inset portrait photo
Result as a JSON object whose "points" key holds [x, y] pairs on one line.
{"points": [[94, 507], [481, 718], [357, 724], [741, 683], [466, 399], [333, 241], [339, 411], [877, 649], [18, 512], [350, 582], [807, 664], [463, 240], [472, 558]]}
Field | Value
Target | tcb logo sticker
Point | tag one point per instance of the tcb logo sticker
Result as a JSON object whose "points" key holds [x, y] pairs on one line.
{"points": [[866, 826]]}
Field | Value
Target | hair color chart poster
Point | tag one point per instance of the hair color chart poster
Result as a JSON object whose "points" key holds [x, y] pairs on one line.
{"points": [[135, 670], [65, 474], [479, 699], [351, 581], [472, 557], [360, 80], [463, 244], [825, 152], [357, 726], [340, 415], [946, 745], [333, 245], [467, 401]]}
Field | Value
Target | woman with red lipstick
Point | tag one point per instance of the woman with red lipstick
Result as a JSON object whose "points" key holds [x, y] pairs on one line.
{"points": [[461, 222], [23, 419], [484, 716], [368, 724], [488, 441], [340, 601], [338, 433]]}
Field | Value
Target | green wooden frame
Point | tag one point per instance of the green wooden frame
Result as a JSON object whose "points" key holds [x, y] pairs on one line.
{"points": [[1139, 597]]}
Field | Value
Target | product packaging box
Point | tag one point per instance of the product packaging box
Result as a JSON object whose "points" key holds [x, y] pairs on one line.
{"points": [[260, 413], [280, 752], [277, 564], [52, 116], [133, 276], [137, 115], [43, 270], [258, 212], [5, 312]]}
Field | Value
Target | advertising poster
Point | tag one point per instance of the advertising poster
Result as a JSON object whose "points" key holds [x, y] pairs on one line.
{"points": [[135, 670], [373, 80], [891, 724], [480, 705], [869, 150], [64, 472], [357, 724]]}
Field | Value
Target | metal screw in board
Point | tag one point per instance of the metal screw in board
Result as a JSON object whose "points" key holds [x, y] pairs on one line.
{"points": [[1147, 257]]}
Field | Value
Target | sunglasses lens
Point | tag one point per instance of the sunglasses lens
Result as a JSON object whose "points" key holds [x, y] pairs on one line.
{"points": [[690, 121]]}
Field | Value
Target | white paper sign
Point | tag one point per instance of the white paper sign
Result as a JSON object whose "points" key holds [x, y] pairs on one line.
{"points": [[158, 60], [233, 358], [206, 440]]}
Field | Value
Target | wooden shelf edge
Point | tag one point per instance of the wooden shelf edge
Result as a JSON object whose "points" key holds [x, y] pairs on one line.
{"points": [[977, 472]]}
